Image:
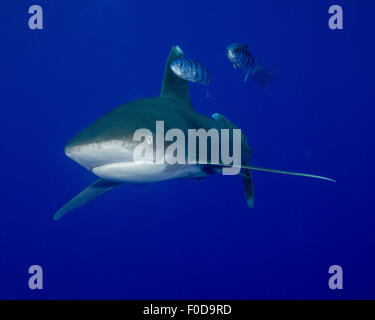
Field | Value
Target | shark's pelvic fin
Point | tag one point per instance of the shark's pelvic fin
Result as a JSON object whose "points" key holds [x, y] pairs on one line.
{"points": [[174, 87], [90, 193]]}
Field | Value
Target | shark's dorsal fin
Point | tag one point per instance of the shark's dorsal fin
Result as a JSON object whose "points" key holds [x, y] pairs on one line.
{"points": [[174, 87]]}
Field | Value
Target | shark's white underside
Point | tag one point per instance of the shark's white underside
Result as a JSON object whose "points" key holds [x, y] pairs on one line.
{"points": [[113, 161], [140, 171]]}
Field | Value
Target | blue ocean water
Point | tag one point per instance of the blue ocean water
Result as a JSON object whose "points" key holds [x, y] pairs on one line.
{"points": [[182, 239]]}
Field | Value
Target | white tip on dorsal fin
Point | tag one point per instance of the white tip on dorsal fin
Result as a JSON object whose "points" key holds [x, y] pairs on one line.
{"points": [[174, 87]]}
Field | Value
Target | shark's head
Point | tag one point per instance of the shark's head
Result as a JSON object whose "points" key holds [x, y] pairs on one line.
{"points": [[96, 145], [106, 147]]}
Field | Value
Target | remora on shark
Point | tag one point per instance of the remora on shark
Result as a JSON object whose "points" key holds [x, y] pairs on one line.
{"points": [[106, 146]]}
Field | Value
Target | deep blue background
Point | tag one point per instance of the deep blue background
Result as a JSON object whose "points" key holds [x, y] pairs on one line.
{"points": [[181, 239]]}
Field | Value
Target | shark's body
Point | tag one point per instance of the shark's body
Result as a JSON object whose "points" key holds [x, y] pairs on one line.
{"points": [[106, 146]]}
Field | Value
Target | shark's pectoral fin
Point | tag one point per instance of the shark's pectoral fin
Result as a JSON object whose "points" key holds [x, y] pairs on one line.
{"points": [[249, 189], [90, 193], [174, 87]]}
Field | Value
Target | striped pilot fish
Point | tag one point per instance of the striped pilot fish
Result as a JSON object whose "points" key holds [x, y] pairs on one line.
{"points": [[241, 58], [191, 70]]}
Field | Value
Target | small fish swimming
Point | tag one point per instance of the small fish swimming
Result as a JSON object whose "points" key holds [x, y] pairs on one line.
{"points": [[191, 70], [241, 58]]}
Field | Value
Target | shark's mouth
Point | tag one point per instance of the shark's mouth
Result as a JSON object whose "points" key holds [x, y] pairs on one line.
{"points": [[97, 154]]}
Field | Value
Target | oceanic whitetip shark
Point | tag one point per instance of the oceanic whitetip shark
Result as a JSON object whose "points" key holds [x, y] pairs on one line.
{"points": [[106, 146]]}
